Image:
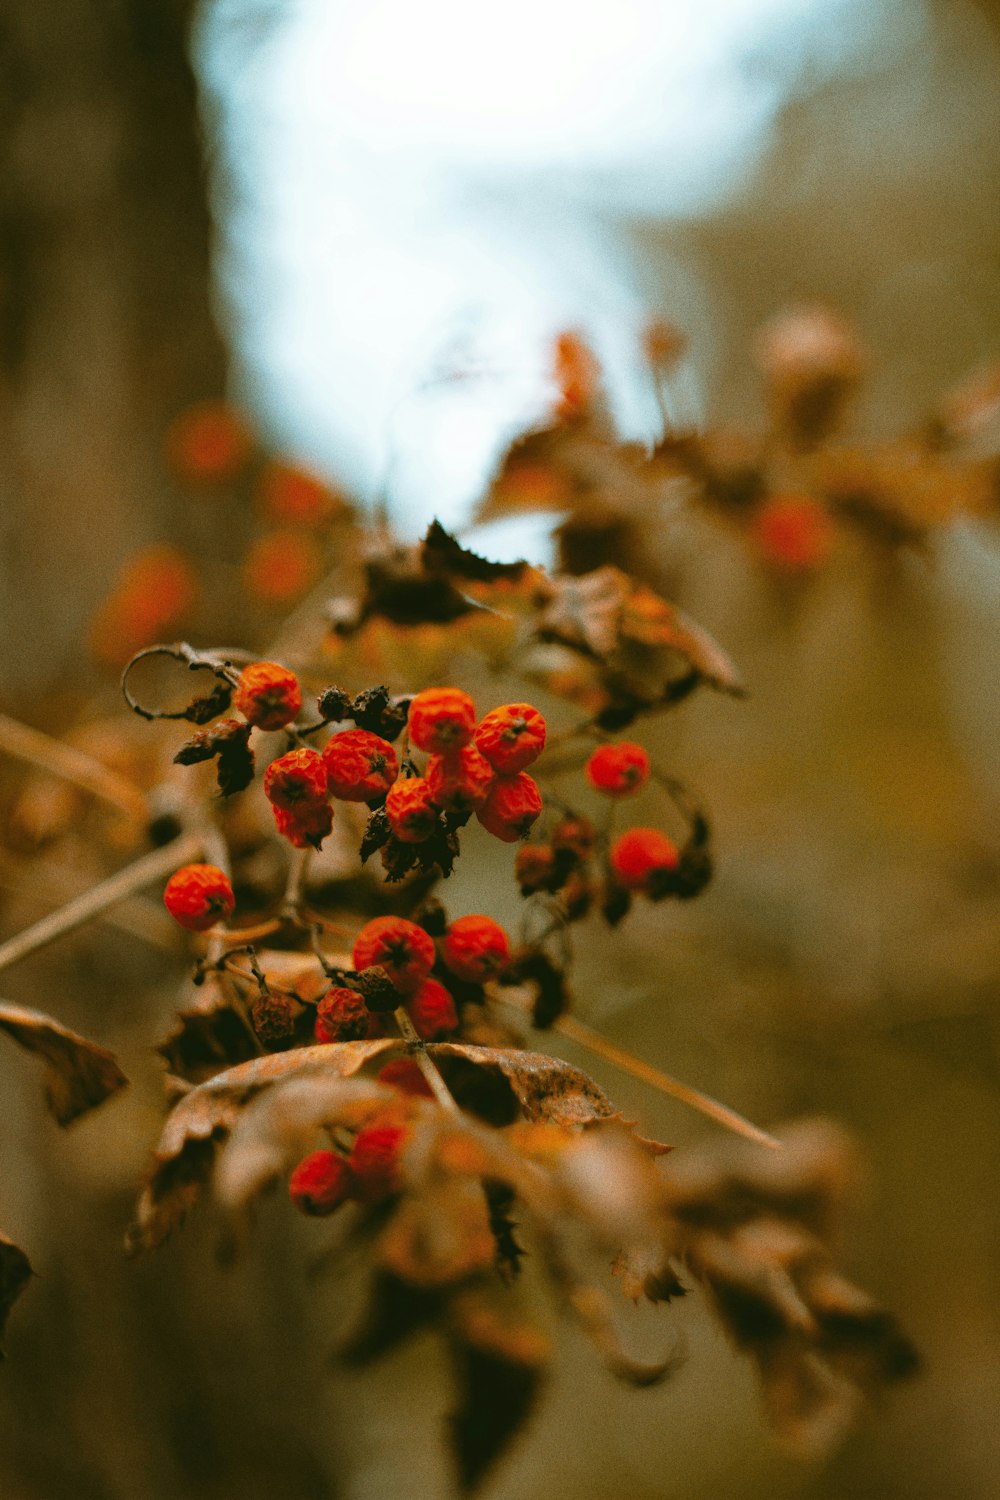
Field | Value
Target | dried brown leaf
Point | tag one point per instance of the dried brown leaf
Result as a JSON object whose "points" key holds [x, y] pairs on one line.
{"points": [[15, 1273], [79, 1075], [605, 616], [545, 1088], [756, 1228]]}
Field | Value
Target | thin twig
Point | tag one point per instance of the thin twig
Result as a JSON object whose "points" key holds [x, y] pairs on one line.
{"points": [[44, 752], [126, 882], [585, 1035], [424, 1061]]}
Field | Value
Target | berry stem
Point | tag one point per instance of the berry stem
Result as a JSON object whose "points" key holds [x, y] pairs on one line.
{"points": [[145, 871], [415, 1045], [39, 750]]}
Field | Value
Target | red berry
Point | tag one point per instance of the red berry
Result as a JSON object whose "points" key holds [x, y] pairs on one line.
{"points": [[432, 1011], [359, 765], [403, 1074], [475, 948], [198, 896], [441, 719], [306, 826], [281, 566], [793, 533], [618, 770], [511, 737], [411, 813], [320, 1183], [208, 443], [296, 780], [459, 781], [641, 853], [268, 695], [401, 948], [343, 1016], [513, 806], [375, 1159], [292, 496]]}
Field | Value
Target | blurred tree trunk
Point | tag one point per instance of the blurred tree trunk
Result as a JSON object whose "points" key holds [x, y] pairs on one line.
{"points": [[105, 320]]}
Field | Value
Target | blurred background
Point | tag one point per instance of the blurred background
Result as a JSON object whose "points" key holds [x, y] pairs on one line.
{"points": [[326, 213]]}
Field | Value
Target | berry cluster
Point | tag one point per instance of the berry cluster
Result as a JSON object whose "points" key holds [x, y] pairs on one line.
{"points": [[641, 860], [370, 1173], [471, 768]]}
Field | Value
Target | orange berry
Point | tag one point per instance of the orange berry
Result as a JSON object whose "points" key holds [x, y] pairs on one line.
{"points": [[293, 497], [475, 948], [375, 1158], [403, 1074], [305, 826], [343, 1016], [432, 1011], [793, 533], [618, 770], [268, 695], [511, 809], [411, 812], [442, 719], [320, 1183], [295, 780], [401, 948], [154, 591], [198, 896], [460, 780], [209, 443], [640, 854], [281, 566], [359, 765], [511, 737]]}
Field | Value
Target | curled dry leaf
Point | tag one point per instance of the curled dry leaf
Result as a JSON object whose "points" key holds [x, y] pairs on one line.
{"points": [[211, 1035], [79, 1075], [604, 615], [15, 1272], [756, 1229], [443, 553], [496, 1395], [204, 1118], [545, 1088]]}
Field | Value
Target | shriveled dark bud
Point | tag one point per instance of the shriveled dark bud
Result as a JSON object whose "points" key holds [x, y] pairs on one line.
{"points": [[691, 876], [432, 917], [576, 897], [616, 903], [533, 966], [334, 704], [273, 1019], [380, 994], [369, 706]]}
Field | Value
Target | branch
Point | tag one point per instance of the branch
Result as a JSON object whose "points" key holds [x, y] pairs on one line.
{"points": [[134, 877], [43, 751], [579, 1032]]}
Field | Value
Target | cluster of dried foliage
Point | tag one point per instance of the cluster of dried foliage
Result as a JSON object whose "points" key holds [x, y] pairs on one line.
{"points": [[509, 1157]]}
